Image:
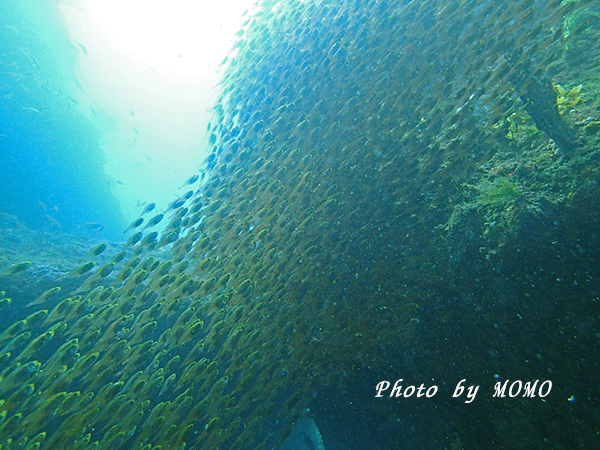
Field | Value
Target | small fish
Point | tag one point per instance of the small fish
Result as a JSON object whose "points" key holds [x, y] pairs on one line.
{"points": [[148, 208], [131, 112], [151, 238], [136, 131], [97, 250], [105, 270], [73, 100], [123, 275], [119, 257], [82, 48], [169, 382], [51, 220], [92, 226], [45, 296], [120, 182], [9, 218], [84, 268], [179, 202], [168, 238], [134, 239], [19, 267], [136, 223], [190, 181], [31, 58], [154, 221], [79, 86], [5, 302], [41, 205]]}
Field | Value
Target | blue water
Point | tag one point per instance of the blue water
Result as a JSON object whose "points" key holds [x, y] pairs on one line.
{"points": [[51, 163]]}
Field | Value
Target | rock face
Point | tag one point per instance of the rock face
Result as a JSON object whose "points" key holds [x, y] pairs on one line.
{"points": [[379, 204], [304, 436]]}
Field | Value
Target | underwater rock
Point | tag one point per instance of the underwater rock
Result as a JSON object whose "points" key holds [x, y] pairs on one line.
{"points": [[304, 436]]}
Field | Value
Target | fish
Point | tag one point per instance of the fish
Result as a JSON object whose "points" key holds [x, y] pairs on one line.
{"points": [[154, 221], [79, 86], [176, 204], [31, 58], [148, 208], [18, 267], [51, 220], [98, 249], [73, 100], [46, 296], [190, 181], [92, 226], [119, 257], [80, 270], [82, 48], [167, 238], [134, 239], [136, 223]]}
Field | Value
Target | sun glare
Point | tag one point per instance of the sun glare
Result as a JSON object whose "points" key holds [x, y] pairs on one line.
{"points": [[159, 31], [145, 76]]}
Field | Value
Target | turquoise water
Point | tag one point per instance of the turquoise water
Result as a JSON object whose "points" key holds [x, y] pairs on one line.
{"points": [[52, 163]]}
